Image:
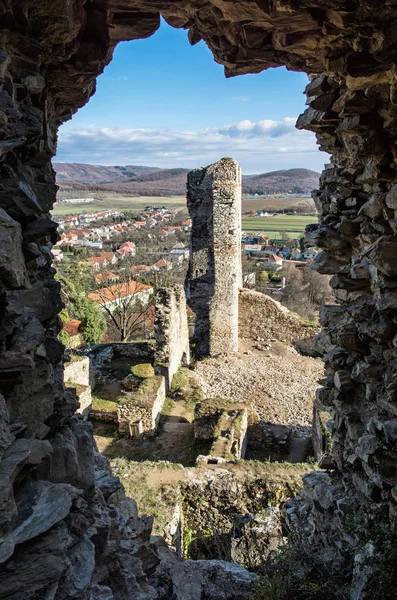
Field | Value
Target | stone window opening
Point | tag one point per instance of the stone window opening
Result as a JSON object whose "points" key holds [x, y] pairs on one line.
{"points": [[51, 55]]}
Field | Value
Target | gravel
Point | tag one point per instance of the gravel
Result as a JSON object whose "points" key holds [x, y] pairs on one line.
{"points": [[276, 381]]}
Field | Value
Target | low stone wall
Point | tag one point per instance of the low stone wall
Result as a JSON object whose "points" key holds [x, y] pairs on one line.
{"points": [[223, 510], [83, 393], [261, 317], [77, 376], [206, 417], [226, 424], [231, 434], [171, 332], [143, 406], [101, 415], [77, 370]]}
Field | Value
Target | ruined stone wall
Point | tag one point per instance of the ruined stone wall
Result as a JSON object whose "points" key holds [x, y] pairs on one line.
{"points": [[143, 405], [77, 375], [262, 318], [214, 275], [357, 232], [77, 370], [66, 528], [171, 332]]}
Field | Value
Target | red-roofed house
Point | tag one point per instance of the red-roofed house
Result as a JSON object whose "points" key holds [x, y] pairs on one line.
{"points": [[273, 262], [102, 261], [139, 224], [72, 328], [186, 225], [162, 265], [127, 249], [120, 293], [140, 269], [105, 276]]}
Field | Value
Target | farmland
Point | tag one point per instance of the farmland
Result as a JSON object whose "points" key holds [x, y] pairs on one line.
{"points": [[294, 225], [118, 202], [300, 205]]}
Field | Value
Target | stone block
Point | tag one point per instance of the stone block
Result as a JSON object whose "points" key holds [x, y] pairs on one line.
{"points": [[143, 406]]}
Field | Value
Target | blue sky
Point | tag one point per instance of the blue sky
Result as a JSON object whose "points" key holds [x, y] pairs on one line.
{"points": [[162, 102]]}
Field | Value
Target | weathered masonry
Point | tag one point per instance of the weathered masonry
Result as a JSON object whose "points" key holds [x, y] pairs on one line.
{"points": [[52, 52], [171, 332], [214, 276]]}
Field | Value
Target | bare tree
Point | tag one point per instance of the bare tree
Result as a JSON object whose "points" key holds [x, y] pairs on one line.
{"points": [[126, 305], [305, 291]]}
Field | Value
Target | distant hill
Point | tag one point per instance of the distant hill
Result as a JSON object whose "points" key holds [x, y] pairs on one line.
{"points": [[153, 181], [288, 181], [68, 173]]}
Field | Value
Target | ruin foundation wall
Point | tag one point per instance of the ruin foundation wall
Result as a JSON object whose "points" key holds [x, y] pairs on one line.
{"points": [[171, 332], [263, 318]]}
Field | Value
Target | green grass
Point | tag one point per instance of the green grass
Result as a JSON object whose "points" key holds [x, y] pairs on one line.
{"points": [[103, 405], [274, 226], [123, 203], [167, 406], [185, 386], [154, 487]]}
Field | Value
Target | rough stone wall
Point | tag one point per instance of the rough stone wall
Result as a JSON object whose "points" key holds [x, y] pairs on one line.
{"points": [[77, 370], [357, 232], [51, 54], [144, 405], [214, 275], [231, 434], [262, 318], [171, 331]]}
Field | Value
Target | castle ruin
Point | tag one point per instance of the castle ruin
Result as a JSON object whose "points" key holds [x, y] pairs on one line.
{"points": [[59, 505], [214, 276]]}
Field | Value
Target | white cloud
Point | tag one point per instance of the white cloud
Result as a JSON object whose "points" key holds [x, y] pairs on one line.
{"points": [[258, 146], [267, 128]]}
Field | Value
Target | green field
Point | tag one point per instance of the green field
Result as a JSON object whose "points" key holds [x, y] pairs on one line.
{"points": [[294, 225], [123, 203]]}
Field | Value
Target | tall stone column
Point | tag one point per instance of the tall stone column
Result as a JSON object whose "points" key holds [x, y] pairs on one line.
{"points": [[214, 276]]}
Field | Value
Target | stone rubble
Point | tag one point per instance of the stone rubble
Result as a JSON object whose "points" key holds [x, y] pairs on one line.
{"points": [[284, 384]]}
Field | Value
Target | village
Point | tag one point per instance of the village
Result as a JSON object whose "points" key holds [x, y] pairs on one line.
{"points": [[126, 257]]}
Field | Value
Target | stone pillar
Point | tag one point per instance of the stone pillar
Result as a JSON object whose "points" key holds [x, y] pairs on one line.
{"points": [[214, 276], [171, 332]]}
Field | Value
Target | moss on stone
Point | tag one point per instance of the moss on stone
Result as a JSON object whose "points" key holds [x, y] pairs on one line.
{"points": [[180, 379], [103, 405], [212, 406], [143, 370], [75, 358], [145, 395]]}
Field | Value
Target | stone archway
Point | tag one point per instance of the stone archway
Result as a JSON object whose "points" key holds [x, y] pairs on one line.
{"points": [[52, 53]]}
